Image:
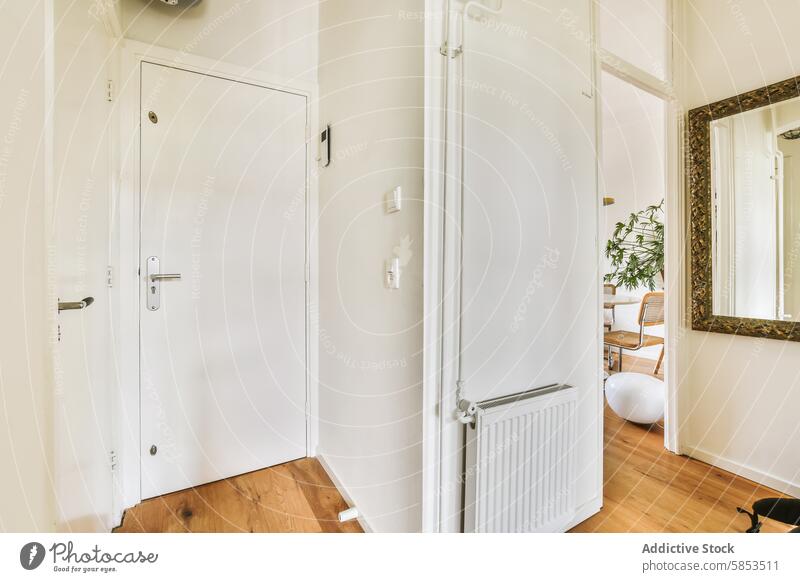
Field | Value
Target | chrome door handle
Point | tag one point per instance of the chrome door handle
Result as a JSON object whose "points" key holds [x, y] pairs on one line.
{"points": [[75, 305], [154, 278], [168, 277]]}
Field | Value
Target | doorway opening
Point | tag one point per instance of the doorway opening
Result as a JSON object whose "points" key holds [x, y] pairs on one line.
{"points": [[633, 185]]}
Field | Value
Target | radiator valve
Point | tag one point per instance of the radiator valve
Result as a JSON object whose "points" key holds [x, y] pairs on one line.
{"points": [[466, 411]]}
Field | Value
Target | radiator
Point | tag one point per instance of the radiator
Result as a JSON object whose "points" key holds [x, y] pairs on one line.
{"points": [[520, 462]]}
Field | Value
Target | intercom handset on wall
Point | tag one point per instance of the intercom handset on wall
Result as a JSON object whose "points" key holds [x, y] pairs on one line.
{"points": [[325, 147]]}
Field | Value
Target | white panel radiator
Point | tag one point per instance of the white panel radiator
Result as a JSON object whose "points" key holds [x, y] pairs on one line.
{"points": [[520, 464]]}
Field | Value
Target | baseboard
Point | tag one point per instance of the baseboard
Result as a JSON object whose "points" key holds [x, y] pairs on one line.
{"points": [[585, 511], [362, 519], [742, 470]]}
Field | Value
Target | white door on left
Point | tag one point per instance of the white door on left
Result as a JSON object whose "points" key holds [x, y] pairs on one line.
{"points": [[83, 362]]}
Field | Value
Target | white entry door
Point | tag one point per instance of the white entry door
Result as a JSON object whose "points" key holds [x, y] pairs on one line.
{"points": [[223, 347]]}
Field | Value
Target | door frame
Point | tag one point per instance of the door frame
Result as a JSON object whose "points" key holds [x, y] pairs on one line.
{"points": [[435, 177], [126, 410]]}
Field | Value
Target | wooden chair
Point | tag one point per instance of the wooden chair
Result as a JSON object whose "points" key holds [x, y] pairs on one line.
{"points": [[608, 309], [651, 312]]}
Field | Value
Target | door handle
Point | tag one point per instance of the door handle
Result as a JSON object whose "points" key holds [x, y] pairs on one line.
{"points": [[154, 278], [167, 277], [75, 305]]}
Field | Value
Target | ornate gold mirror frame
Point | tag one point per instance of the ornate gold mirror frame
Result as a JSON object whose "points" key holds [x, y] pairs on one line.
{"points": [[700, 120]]}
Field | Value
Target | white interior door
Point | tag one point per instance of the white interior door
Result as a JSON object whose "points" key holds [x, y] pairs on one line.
{"points": [[223, 349], [530, 283], [83, 355]]}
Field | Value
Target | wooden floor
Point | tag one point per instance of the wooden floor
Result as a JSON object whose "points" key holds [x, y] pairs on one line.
{"points": [[295, 497], [648, 489]]}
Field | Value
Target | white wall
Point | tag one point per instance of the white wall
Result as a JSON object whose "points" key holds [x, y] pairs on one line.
{"points": [[278, 37], [634, 156], [634, 31], [26, 501], [371, 86], [740, 396]]}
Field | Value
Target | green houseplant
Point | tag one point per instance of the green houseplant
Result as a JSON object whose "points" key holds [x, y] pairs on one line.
{"points": [[636, 249]]}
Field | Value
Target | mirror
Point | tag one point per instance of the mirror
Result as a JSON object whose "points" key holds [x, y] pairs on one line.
{"points": [[755, 180], [744, 170]]}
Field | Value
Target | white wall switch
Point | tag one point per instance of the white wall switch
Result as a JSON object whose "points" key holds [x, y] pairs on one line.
{"points": [[394, 200], [393, 273]]}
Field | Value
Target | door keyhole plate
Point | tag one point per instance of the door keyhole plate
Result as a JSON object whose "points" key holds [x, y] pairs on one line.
{"points": [[153, 287]]}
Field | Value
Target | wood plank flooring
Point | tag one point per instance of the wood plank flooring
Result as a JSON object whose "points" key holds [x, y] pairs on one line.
{"points": [[649, 489], [295, 497]]}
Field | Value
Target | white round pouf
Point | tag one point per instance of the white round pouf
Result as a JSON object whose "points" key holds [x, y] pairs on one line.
{"points": [[636, 397]]}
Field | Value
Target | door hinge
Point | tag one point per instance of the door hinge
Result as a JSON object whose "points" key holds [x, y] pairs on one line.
{"points": [[447, 51], [110, 276], [113, 458], [109, 90]]}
